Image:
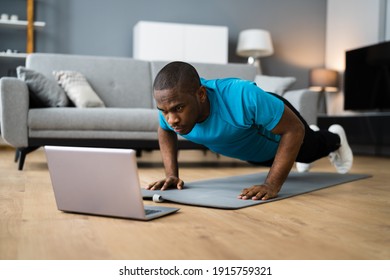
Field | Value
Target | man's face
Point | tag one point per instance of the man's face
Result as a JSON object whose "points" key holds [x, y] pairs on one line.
{"points": [[181, 110]]}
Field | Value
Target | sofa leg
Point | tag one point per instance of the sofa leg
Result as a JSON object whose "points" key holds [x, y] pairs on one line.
{"points": [[17, 155], [21, 154]]}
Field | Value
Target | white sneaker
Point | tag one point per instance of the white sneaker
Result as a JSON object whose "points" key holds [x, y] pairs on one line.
{"points": [[342, 158], [305, 167]]}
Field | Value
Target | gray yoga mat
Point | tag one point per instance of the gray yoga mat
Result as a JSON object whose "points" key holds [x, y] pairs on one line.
{"points": [[223, 192]]}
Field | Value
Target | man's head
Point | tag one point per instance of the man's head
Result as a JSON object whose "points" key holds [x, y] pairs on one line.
{"points": [[180, 96], [179, 75]]}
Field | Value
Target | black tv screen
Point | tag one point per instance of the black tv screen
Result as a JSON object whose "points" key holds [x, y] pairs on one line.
{"points": [[367, 78]]}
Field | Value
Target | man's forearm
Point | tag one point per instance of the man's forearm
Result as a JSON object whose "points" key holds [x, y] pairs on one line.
{"points": [[292, 132], [284, 159], [168, 148]]}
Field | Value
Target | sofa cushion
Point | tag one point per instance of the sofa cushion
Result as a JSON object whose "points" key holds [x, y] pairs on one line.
{"points": [[78, 89], [45, 92], [96, 119], [274, 84]]}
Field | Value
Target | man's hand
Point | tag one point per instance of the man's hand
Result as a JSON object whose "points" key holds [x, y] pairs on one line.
{"points": [[164, 184], [258, 192], [292, 132]]}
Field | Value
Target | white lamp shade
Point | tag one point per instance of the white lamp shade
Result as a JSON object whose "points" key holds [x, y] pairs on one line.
{"points": [[254, 43], [324, 79]]}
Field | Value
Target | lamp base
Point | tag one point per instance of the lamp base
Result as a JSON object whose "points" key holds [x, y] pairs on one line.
{"points": [[255, 61]]}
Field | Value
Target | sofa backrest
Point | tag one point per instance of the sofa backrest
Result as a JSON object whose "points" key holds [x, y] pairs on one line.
{"points": [[119, 82], [214, 71], [126, 82]]}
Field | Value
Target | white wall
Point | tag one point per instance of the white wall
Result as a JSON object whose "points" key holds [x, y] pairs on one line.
{"points": [[387, 21], [352, 24]]}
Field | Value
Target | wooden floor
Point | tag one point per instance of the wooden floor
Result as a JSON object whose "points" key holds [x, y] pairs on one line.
{"points": [[349, 221]]}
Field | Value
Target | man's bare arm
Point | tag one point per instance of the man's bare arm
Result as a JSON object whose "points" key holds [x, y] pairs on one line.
{"points": [[292, 132], [168, 148]]}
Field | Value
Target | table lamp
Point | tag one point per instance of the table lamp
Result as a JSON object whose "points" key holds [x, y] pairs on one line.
{"points": [[254, 43], [323, 80]]}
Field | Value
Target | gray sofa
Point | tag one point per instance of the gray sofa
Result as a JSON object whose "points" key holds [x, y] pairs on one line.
{"points": [[129, 118]]}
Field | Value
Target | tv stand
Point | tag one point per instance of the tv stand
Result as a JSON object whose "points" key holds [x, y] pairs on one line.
{"points": [[368, 133]]}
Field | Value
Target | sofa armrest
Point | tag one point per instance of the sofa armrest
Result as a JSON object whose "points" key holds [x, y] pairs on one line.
{"points": [[14, 106], [306, 102]]}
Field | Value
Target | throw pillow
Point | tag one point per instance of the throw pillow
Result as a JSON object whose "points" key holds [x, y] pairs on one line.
{"points": [[274, 84], [78, 89], [43, 91]]}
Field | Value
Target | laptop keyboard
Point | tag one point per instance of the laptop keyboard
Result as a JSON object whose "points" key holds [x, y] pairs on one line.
{"points": [[151, 211]]}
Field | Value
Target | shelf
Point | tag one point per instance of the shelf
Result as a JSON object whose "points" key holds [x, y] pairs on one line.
{"points": [[13, 55], [29, 25], [20, 24]]}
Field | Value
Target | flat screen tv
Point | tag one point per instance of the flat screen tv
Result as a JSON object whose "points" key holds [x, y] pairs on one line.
{"points": [[367, 78]]}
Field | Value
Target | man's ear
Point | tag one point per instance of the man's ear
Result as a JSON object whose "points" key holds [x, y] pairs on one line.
{"points": [[202, 94]]}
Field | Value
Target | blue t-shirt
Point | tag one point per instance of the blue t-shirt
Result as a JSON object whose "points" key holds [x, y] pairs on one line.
{"points": [[241, 118]]}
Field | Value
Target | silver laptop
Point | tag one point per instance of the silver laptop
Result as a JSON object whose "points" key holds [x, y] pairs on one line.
{"points": [[99, 181]]}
